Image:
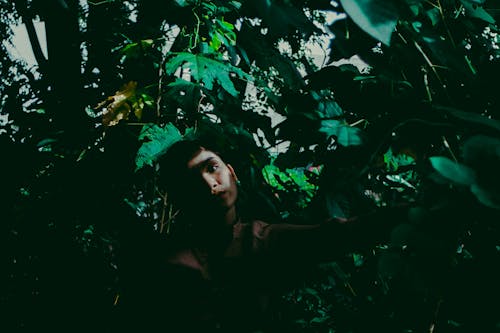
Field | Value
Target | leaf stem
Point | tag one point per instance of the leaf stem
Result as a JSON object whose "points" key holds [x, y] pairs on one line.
{"points": [[163, 212], [447, 145], [426, 83], [358, 122], [440, 7], [196, 32], [99, 3], [428, 61], [160, 77]]}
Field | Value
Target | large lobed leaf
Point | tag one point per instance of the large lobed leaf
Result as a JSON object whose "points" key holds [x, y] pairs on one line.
{"points": [[206, 70], [159, 139]]}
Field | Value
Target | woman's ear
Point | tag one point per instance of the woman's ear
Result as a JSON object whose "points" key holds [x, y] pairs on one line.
{"points": [[233, 173]]}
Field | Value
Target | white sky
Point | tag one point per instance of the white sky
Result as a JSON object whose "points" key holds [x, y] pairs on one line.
{"points": [[21, 48]]}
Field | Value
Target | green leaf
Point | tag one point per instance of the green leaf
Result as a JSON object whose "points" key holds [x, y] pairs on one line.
{"points": [[473, 10], [452, 171], [207, 71], [184, 94], [45, 142], [378, 18], [358, 259], [477, 2], [483, 154], [393, 162], [481, 148], [329, 109], [158, 141], [390, 265], [281, 17], [485, 197], [182, 3], [346, 135], [475, 118], [134, 50], [434, 15]]}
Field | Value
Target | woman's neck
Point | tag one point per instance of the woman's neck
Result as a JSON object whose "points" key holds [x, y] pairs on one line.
{"points": [[231, 216]]}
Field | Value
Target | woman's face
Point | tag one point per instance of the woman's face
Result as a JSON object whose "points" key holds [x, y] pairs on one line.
{"points": [[214, 181]]}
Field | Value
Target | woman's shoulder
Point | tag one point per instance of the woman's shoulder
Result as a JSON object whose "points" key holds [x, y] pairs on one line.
{"points": [[183, 257]]}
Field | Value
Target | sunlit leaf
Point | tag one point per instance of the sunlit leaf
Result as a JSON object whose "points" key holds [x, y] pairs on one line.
{"points": [[134, 50], [453, 171], [119, 106], [474, 10], [207, 71], [346, 135], [378, 18], [157, 141]]}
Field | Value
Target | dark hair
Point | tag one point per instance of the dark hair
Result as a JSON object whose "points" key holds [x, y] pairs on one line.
{"points": [[175, 177]]}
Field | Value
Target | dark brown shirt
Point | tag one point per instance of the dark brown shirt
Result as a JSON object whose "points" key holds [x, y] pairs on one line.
{"points": [[234, 284]]}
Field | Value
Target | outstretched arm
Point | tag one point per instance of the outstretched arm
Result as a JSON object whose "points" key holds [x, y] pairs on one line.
{"points": [[332, 238]]}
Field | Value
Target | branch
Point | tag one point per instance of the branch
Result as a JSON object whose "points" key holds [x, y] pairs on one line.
{"points": [[35, 43], [33, 38]]}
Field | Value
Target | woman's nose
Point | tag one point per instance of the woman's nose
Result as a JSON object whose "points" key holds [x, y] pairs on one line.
{"points": [[211, 182]]}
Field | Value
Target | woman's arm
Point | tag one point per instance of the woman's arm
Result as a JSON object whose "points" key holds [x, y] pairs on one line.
{"points": [[332, 238]]}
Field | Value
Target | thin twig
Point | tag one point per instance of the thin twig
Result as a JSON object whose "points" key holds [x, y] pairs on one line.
{"points": [[436, 313], [447, 145], [440, 7], [196, 33], [428, 61], [160, 79], [171, 217], [426, 83], [358, 122], [99, 3], [163, 212]]}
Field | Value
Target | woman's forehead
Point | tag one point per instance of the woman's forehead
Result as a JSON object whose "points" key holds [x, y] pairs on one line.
{"points": [[203, 157]]}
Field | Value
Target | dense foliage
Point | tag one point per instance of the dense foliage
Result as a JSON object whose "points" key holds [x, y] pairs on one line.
{"points": [[401, 108]]}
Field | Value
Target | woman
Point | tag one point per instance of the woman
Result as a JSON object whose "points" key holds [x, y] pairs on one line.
{"points": [[224, 270]]}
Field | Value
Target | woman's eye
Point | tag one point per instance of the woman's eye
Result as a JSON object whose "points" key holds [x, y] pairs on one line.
{"points": [[213, 167]]}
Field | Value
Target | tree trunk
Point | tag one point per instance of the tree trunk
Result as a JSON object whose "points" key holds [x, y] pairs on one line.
{"points": [[65, 100]]}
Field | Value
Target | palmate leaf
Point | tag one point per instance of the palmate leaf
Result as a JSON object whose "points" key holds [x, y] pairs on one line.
{"points": [[159, 139], [206, 70], [346, 135], [378, 18]]}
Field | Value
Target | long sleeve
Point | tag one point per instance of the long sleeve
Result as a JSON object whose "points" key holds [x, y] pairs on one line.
{"points": [[329, 239]]}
